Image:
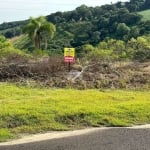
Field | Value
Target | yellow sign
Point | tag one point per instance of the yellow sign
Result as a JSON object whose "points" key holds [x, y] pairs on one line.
{"points": [[69, 52]]}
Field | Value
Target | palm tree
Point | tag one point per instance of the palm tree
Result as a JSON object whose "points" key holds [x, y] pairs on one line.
{"points": [[38, 29]]}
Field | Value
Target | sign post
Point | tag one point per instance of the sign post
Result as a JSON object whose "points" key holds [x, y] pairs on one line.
{"points": [[69, 56]]}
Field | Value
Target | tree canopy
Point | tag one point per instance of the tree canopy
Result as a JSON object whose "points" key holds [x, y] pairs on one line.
{"points": [[39, 29], [85, 25]]}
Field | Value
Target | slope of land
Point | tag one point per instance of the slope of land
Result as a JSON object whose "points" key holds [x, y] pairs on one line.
{"points": [[145, 14]]}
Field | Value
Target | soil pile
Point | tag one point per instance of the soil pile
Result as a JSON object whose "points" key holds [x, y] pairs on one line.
{"points": [[52, 72]]}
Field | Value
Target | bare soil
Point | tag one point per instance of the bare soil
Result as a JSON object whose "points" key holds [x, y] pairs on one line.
{"points": [[53, 72]]}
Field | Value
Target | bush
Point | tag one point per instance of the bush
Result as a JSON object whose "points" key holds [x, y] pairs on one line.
{"points": [[39, 52], [4, 52], [6, 48], [100, 53]]}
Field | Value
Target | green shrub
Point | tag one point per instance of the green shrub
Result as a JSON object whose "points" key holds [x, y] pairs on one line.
{"points": [[10, 51], [5, 134], [39, 52], [100, 53], [6, 48]]}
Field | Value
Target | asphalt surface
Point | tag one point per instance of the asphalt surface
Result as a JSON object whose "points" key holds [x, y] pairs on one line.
{"points": [[110, 139]]}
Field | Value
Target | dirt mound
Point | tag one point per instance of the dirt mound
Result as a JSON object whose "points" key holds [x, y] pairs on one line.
{"points": [[53, 72], [118, 75]]}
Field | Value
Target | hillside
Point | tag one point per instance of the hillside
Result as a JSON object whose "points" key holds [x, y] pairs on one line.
{"points": [[108, 84], [87, 25], [11, 29], [145, 14]]}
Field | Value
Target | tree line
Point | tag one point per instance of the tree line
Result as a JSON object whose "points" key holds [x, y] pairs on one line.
{"points": [[83, 26]]}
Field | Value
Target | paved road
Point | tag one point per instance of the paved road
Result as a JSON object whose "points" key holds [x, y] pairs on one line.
{"points": [[110, 139]]}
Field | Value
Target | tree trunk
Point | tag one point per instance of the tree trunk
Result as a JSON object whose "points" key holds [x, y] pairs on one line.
{"points": [[37, 43], [45, 43]]}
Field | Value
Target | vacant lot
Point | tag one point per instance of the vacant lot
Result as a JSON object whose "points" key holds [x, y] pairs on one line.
{"points": [[30, 110]]}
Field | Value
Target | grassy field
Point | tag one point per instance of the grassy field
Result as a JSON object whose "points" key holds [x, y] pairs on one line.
{"points": [[32, 110], [145, 14]]}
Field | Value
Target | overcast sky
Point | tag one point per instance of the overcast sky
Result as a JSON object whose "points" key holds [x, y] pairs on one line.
{"points": [[15, 10]]}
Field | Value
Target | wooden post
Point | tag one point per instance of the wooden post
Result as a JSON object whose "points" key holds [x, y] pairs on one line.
{"points": [[69, 66]]}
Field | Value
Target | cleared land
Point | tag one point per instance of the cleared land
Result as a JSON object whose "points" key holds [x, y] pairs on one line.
{"points": [[145, 14], [31, 110]]}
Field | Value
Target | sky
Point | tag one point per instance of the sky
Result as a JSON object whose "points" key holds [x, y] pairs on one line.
{"points": [[16, 10]]}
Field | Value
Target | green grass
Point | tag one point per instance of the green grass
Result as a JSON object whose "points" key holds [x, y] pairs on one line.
{"points": [[5, 134], [32, 110], [21, 42], [145, 14]]}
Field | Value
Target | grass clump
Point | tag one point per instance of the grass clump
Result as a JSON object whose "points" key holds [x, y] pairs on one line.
{"points": [[5, 134]]}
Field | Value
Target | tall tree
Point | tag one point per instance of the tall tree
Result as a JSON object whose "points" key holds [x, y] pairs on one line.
{"points": [[38, 29], [147, 4], [122, 30]]}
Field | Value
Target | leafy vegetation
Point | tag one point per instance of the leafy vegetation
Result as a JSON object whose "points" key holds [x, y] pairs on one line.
{"points": [[6, 48], [102, 35], [11, 29], [134, 49], [88, 25], [29, 110], [39, 29], [5, 134]]}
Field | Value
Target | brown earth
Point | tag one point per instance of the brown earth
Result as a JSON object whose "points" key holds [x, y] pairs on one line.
{"points": [[52, 72]]}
